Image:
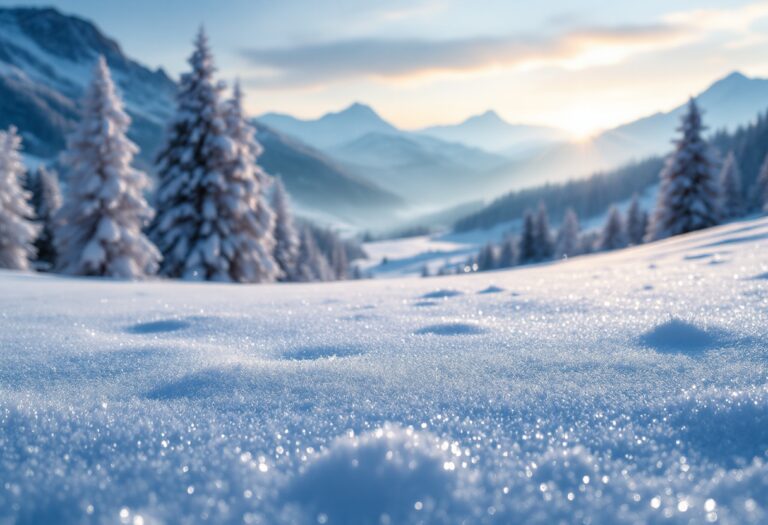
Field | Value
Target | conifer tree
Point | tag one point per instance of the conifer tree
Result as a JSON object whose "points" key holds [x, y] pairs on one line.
{"points": [[613, 236], [46, 201], [487, 258], [213, 222], [567, 244], [636, 222], [544, 245], [688, 195], [338, 259], [508, 253], [286, 237], [311, 264], [17, 231], [528, 250], [104, 211], [761, 189], [731, 199]]}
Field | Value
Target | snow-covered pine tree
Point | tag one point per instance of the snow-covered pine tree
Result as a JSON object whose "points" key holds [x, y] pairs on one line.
{"points": [[528, 250], [636, 222], [544, 245], [212, 222], [311, 264], [688, 196], [17, 231], [613, 236], [508, 252], [104, 211], [338, 259], [761, 190], [286, 237], [567, 244], [487, 259], [46, 200], [731, 198]]}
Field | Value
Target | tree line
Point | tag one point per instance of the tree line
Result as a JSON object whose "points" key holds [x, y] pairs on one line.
{"points": [[697, 190], [217, 215]]}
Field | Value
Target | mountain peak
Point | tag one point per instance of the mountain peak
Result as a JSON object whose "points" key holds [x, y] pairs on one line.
{"points": [[488, 117]]}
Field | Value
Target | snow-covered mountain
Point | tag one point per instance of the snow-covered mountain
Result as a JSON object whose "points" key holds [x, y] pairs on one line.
{"points": [[490, 132], [732, 101], [332, 129], [46, 60]]}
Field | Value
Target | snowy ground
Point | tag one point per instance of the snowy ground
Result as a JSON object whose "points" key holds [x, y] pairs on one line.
{"points": [[408, 256], [621, 388]]}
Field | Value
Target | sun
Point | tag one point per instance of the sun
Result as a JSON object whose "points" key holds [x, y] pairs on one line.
{"points": [[581, 122]]}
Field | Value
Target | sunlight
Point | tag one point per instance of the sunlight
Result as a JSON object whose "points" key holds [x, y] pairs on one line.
{"points": [[582, 122]]}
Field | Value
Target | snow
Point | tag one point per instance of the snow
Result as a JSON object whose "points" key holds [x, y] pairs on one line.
{"points": [[627, 387]]}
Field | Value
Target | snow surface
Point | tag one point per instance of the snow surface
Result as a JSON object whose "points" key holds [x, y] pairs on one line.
{"points": [[628, 387]]}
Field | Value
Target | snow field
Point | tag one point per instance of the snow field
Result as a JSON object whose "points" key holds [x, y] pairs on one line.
{"points": [[628, 387]]}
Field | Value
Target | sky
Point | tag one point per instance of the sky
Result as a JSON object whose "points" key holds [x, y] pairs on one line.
{"points": [[580, 65]]}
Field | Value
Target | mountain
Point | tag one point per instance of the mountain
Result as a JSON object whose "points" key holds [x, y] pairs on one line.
{"points": [[46, 60], [318, 183], [732, 101], [428, 171], [490, 132], [331, 129]]}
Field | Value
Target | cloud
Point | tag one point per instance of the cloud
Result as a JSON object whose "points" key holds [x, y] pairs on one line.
{"points": [[317, 64]]}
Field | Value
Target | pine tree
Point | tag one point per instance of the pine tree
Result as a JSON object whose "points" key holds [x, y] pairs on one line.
{"points": [[487, 258], [212, 221], [731, 199], [311, 264], [636, 222], [17, 231], [567, 244], [286, 238], [508, 253], [104, 209], [424, 271], [528, 249], [46, 201], [688, 196], [544, 245], [613, 236], [761, 186], [338, 259]]}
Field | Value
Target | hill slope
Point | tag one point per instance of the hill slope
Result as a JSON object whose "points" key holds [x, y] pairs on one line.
{"points": [[582, 388]]}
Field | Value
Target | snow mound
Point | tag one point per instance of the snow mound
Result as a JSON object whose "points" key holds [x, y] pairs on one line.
{"points": [[310, 353], [442, 294], [159, 327], [681, 336], [452, 329], [491, 289], [392, 475]]}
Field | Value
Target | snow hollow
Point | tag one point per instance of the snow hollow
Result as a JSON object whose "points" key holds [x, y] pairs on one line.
{"points": [[628, 387]]}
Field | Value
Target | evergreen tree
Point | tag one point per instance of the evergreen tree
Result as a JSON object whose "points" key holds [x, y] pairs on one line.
{"points": [[424, 271], [636, 222], [761, 191], [528, 250], [567, 244], [544, 246], [487, 258], [731, 199], [104, 210], [311, 264], [17, 231], [338, 259], [213, 222], [508, 253], [613, 236], [688, 196], [46, 201], [286, 237], [588, 242]]}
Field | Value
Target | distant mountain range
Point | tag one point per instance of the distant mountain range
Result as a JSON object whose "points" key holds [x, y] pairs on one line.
{"points": [[490, 132], [485, 156], [46, 60]]}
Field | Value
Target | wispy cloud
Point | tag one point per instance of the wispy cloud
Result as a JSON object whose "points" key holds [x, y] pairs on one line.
{"points": [[314, 64]]}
